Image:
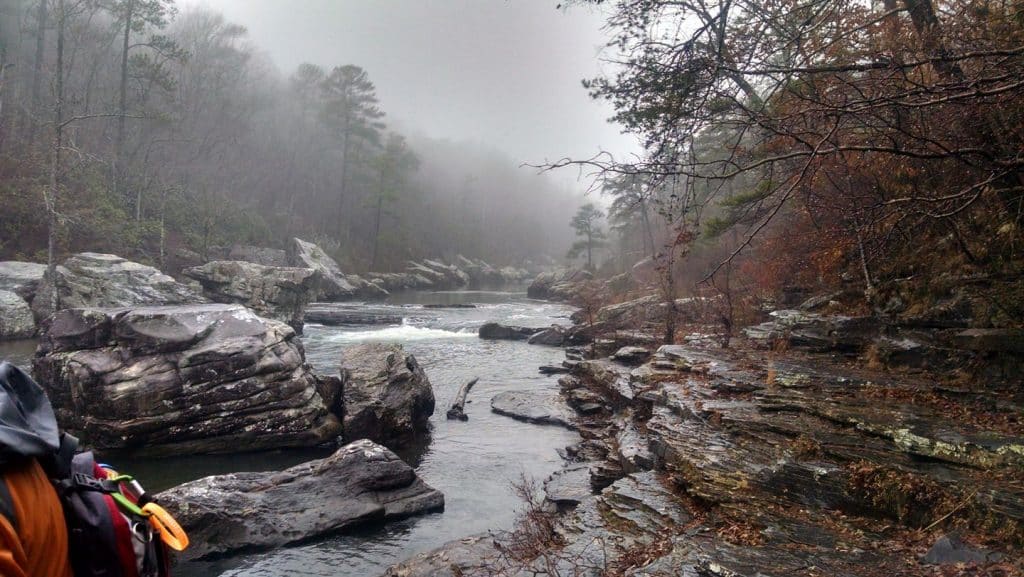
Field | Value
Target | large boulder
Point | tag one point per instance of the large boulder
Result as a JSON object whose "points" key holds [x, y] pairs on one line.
{"points": [[387, 396], [90, 279], [280, 293], [16, 320], [21, 278], [360, 483], [335, 286], [210, 378]]}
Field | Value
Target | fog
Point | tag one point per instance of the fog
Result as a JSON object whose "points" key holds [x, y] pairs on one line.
{"points": [[503, 72], [385, 131]]}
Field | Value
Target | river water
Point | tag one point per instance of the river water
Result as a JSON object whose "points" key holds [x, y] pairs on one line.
{"points": [[473, 463]]}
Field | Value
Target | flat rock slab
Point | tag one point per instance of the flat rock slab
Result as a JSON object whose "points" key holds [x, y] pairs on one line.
{"points": [[570, 486], [538, 408], [360, 483]]}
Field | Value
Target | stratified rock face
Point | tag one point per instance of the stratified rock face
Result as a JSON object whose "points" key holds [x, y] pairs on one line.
{"points": [[22, 278], [360, 483], [16, 321], [280, 293], [91, 279], [387, 396], [181, 379], [816, 332], [308, 255]]}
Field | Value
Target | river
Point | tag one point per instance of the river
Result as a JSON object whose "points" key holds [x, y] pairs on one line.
{"points": [[473, 463]]}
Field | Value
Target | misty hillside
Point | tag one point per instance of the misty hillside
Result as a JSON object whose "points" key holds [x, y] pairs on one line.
{"points": [[192, 139]]}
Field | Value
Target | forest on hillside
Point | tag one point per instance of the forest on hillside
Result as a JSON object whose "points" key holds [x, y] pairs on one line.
{"points": [[818, 145], [136, 127]]}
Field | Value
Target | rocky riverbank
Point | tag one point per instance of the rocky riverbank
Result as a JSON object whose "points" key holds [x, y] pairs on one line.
{"points": [[698, 460]]}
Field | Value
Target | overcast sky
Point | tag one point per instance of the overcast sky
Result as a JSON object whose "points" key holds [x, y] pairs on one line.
{"points": [[505, 72]]}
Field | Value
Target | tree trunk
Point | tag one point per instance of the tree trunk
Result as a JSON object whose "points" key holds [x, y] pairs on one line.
{"points": [[376, 226], [51, 190], [458, 408], [37, 67], [122, 108]]}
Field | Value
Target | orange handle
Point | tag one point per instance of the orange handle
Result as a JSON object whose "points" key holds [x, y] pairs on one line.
{"points": [[170, 531]]}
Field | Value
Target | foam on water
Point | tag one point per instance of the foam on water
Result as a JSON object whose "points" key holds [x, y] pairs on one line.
{"points": [[399, 333]]}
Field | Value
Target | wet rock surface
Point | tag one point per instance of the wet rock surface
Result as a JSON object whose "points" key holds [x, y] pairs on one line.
{"points": [[280, 293], [207, 378], [387, 396], [360, 483], [332, 314], [703, 461], [496, 331]]}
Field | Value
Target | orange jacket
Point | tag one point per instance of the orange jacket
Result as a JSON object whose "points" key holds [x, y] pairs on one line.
{"points": [[39, 548]]}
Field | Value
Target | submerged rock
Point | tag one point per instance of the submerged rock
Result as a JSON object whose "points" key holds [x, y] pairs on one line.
{"points": [[16, 320], [360, 483], [280, 293], [387, 396], [496, 331], [91, 279], [211, 378]]}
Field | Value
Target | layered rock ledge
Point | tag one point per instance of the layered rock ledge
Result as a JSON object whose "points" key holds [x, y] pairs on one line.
{"points": [[741, 464]]}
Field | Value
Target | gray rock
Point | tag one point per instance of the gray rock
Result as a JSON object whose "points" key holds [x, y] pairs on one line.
{"points": [[992, 340], [631, 355], [280, 293], [105, 280], [951, 550], [16, 320], [209, 378], [22, 278], [473, 555], [538, 408], [335, 285], [554, 336], [569, 487], [495, 331], [365, 289], [360, 483], [558, 284], [388, 397]]}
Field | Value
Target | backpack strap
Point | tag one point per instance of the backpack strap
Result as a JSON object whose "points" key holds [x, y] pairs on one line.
{"points": [[7, 504], [58, 465]]}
